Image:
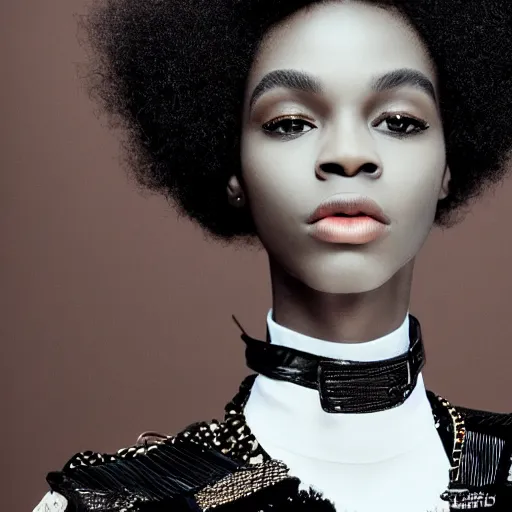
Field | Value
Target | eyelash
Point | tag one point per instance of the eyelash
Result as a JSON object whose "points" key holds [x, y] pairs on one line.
{"points": [[418, 124]]}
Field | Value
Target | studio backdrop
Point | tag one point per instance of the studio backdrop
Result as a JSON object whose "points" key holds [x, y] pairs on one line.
{"points": [[111, 308]]}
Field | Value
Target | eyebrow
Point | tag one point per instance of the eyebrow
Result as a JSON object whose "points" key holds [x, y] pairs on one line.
{"points": [[302, 81]]}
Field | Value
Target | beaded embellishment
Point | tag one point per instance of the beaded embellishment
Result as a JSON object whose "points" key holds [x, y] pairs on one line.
{"points": [[242, 483], [232, 437]]}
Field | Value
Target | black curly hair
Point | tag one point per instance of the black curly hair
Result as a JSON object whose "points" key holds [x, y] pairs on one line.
{"points": [[172, 73]]}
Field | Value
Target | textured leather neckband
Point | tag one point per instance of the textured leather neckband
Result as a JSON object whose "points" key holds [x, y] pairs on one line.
{"points": [[344, 386]]}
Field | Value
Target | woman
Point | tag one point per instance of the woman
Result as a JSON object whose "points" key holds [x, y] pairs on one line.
{"points": [[336, 134]]}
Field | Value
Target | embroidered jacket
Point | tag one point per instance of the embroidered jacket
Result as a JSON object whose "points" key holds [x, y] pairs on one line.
{"points": [[219, 465]]}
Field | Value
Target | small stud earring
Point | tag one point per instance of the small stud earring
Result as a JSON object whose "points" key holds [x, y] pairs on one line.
{"points": [[237, 200]]}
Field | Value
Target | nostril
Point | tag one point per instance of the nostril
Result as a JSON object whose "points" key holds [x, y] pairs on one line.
{"points": [[369, 168]]}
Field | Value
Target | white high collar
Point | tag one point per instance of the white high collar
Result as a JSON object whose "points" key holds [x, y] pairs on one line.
{"points": [[290, 416], [393, 344], [391, 461]]}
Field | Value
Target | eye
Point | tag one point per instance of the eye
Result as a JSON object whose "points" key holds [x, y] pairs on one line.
{"points": [[288, 126], [401, 125]]}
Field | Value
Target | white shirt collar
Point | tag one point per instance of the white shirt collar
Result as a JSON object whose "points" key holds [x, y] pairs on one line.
{"points": [[386, 347], [290, 416]]}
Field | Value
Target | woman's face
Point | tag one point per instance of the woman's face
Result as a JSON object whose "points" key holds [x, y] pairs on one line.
{"points": [[329, 131]]}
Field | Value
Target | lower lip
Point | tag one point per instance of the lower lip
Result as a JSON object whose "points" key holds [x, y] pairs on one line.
{"points": [[348, 230]]}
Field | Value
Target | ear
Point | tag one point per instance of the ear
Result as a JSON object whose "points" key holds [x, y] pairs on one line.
{"points": [[445, 186], [235, 192]]}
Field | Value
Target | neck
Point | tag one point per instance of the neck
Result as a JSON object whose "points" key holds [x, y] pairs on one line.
{"points": [[340, 317]]}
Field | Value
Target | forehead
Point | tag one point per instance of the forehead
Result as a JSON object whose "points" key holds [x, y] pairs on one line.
{"points": [[343, 43]]}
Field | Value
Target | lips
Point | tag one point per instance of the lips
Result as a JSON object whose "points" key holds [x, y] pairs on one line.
{"points": [[357, 230], [344, 205]]}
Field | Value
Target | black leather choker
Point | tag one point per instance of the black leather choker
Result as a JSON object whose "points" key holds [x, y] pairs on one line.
{"points": [[344, 386]]}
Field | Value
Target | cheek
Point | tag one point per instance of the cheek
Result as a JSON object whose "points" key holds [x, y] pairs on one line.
{"points": [[277, 175], [262, 185], [414, 180]]}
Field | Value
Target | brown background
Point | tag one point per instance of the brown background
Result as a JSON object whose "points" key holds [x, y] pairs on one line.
{"points": [[111, 309]]}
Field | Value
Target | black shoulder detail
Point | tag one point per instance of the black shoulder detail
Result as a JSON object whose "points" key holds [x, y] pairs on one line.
{"points": [[481, 455], [173, 469], [494, 423], [487, 460], [160, 468]]}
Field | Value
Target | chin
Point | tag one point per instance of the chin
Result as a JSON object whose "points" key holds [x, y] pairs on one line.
{"points": [[349, 280]]}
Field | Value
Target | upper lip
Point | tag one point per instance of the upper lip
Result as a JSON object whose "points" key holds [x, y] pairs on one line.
{"points": [[350, 205]]}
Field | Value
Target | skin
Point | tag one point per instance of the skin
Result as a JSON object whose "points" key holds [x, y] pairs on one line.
{"points": [[331, 291]]}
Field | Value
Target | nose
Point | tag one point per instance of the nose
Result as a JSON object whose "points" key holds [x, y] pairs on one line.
{"points": [[347, 150], [349, 169]]}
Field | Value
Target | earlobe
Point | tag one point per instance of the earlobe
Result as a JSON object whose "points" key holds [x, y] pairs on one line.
{"points": [[234, 191], [445, 186]]}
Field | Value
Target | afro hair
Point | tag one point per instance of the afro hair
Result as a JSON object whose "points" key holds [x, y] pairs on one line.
{"points": [[171, 74]]}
